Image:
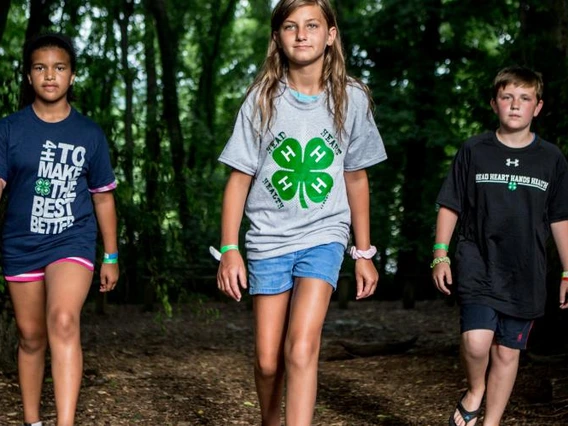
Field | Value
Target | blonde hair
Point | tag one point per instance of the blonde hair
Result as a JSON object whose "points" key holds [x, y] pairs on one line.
{"points": [[334, 76]]}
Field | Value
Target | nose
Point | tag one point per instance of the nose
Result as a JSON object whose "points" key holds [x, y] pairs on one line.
{"points": [[301, 34], [49, 74], [516, 103]]}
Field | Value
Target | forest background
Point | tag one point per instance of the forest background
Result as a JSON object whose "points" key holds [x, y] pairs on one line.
{"points": [[165, 79]]}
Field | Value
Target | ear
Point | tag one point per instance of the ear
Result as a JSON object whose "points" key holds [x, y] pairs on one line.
{"points": [[331, 34], [29, 79], [538, 108], [276, 38], [493, 105], [72, 79]]}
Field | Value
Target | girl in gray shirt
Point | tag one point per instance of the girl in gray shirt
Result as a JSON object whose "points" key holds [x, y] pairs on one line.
{"points": [[298, 153]]}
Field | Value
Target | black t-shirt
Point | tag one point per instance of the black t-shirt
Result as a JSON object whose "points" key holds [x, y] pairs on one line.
{"points": [[506, 199]]}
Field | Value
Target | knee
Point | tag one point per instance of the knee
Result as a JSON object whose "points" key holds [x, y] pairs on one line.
{"points": [[63, 325], [267, 366], [505, 355], [301, 354], [476, 346], [32, 338]]}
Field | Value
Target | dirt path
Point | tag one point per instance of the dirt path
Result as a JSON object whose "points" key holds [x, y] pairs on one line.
{"points": [[196, 369]]}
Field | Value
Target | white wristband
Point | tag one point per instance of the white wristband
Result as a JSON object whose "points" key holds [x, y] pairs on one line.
{"points": [[362, 254]]}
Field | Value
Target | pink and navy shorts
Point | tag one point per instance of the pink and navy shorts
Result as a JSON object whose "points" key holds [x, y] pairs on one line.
{"points": [[39, 274]]}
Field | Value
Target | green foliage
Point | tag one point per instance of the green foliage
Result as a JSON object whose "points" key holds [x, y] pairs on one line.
{"points": [[429, 65]]}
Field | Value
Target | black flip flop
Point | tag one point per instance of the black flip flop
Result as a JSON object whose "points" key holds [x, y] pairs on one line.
{"points": [[468, 416]]}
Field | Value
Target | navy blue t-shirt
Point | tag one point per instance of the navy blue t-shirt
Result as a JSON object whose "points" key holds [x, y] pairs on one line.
{"points": [[50, 170]]}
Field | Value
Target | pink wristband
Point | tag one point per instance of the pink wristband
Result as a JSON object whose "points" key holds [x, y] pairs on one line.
{"points": [[362, 254]]}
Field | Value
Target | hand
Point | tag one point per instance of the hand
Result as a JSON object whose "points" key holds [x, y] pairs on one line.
{"points": [[231, 274], [109, 277], [367, 277], [563, 294], [442, 277]]}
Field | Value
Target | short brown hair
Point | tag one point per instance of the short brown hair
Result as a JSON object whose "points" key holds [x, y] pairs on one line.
{"points": [[518, 76]]}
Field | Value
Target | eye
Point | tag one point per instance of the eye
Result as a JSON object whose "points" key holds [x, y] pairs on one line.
{"points": [[60, 68], [312, 26], [38, 67], [289, 27]]}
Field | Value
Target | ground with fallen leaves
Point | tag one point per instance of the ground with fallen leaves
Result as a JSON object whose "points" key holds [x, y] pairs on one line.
{"points": [[196, 369]]}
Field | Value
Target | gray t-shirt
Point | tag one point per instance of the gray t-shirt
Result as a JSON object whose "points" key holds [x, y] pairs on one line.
{"points": [[298, 198]]}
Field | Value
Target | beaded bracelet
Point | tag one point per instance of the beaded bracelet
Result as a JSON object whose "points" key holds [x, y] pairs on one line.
{"points": [[441, 259], [362, 254]]}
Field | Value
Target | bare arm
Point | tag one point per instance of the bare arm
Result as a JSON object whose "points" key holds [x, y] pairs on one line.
{"points": [[232, 272], [560, 235], [366, 274], [445, 226], [105, 211]]}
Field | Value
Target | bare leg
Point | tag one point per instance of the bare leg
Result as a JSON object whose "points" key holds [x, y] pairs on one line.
{"points": [[310, 302], [28, 299], [502, 375], [271, 320], [475, 349], [67, 286]]}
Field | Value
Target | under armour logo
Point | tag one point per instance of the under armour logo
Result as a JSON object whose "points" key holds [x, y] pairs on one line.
{"points": [[510, 162]]}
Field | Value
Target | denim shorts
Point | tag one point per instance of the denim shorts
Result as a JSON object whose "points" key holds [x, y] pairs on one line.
{"points": [[509, 331], [276, 274]]}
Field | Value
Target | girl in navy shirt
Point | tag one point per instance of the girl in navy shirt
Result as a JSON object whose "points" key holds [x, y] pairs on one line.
{"points": [[56, 173]]}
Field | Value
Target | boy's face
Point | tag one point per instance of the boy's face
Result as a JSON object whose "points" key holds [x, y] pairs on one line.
{"points": [[50, 74], [516, 106]]}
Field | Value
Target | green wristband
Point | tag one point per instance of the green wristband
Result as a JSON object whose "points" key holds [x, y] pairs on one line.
{"points": [[228, 247], [110, 260], [440, 246]]}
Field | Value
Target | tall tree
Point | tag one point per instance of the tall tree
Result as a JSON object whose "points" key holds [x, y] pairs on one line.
{"points": [[212, 33], [4, 9], [123, 12], [168, 40], [151, 236]]}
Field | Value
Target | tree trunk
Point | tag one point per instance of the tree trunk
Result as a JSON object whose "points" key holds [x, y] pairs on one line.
{"points": [[4, 9], [38, 22], [412, 264], [211, 46], [168, 42], [151, 233], [129, 264]]}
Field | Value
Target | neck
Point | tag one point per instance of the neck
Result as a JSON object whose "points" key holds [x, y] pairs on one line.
{"points": [[515, 139], [306, 80], [52, 112]]}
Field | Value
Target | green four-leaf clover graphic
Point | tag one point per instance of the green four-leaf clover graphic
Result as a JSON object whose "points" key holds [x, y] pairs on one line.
{"points": [[302, 173], [43, 186]]}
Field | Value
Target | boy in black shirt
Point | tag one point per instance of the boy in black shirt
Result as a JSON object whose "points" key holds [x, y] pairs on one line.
{"points": [[508, 189]]}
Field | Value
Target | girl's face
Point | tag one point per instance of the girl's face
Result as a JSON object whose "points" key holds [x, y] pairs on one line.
{"points": [[304, 36], [50, 74], [516, 106]]}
